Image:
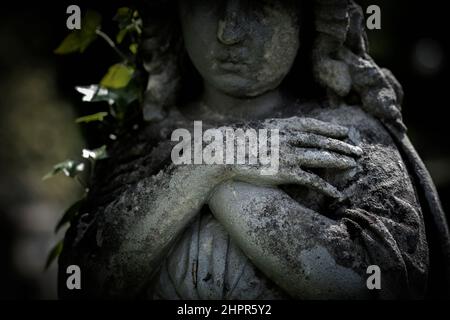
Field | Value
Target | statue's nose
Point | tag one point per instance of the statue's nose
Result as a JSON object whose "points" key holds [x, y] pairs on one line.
{"points": [[231, 28]]}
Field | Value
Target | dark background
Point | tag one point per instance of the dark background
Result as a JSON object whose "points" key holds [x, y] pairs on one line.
{"points": [[38, 106]]}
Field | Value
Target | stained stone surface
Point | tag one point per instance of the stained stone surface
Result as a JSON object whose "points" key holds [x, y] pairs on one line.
{"points": [[351, 191]]}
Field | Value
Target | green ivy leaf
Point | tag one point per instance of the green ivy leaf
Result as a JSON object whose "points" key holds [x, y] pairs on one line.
{"points": [[93, 93], [134, 48], [128, 22], [69, 215], [79, 40], [92, 21], [121, 35], [70, 168], [118, 76], [96, 154], [123, 96], [100, 116], [72, 43], [123, 17], [123, 12], [54, 253]]}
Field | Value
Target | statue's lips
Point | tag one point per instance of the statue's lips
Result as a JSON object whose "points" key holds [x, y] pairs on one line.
{"points": [[232, 66], [232, 61]]}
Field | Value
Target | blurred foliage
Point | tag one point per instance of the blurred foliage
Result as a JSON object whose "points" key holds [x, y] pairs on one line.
{"points": [[121, 88], [79, 40], [69, 167], [69, 215], [54, 253], [92, 117]]}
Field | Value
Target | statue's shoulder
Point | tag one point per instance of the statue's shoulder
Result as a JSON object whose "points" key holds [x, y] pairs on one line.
{"points": [[143, 151]]}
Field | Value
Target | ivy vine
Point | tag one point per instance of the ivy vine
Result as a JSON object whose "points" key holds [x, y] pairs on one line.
{"points": [[120, 90]]}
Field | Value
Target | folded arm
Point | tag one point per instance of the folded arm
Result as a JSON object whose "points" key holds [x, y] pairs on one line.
{"points": [[120, 245], [325, 255]]}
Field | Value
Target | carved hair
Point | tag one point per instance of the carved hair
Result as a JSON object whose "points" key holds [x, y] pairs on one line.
{"points": [[340, 60]]}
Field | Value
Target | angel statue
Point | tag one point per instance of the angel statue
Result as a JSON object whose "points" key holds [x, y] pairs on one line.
{"points": [[350, 192]]}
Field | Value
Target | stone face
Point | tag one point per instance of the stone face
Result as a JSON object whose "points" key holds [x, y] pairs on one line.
{"points": [[342, 200]]}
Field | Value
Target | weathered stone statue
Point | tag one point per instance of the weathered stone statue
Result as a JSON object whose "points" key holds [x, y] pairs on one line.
{"points": [[350, 191]]}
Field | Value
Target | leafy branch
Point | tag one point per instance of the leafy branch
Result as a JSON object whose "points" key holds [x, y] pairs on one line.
{"points": [[120, 87]]}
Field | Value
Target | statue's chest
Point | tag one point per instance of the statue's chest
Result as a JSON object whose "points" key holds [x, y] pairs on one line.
{"points": [[206, 264]]}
